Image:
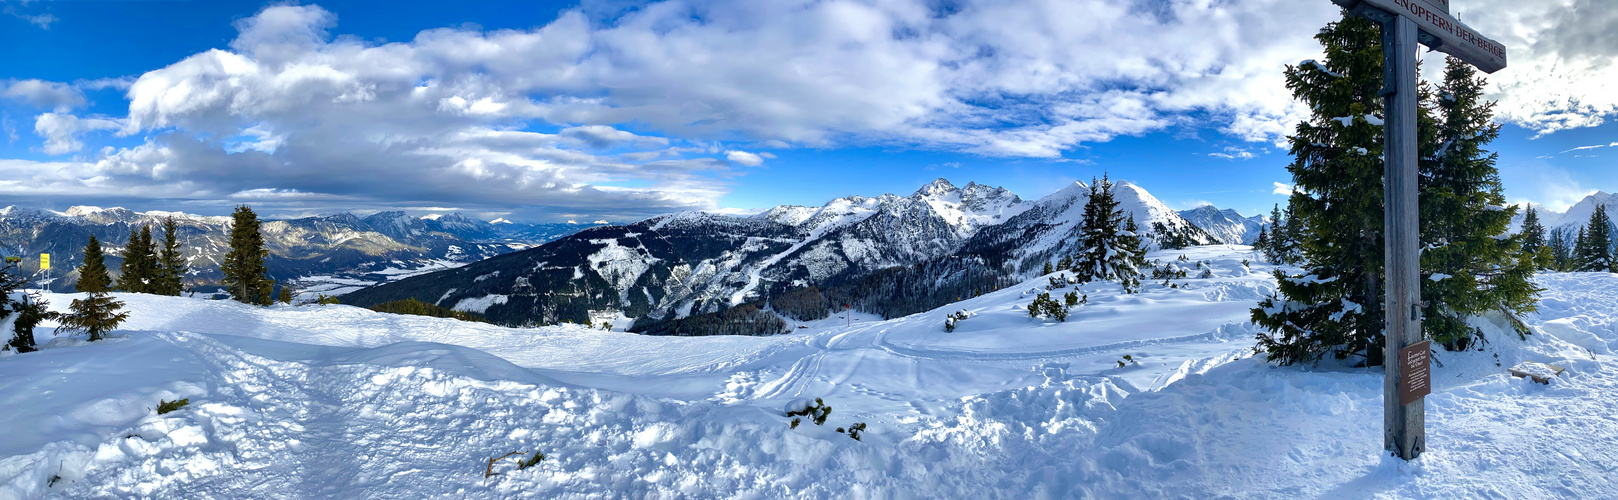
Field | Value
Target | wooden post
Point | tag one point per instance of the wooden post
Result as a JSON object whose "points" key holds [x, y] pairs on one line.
{"points": [[1403, 424]]}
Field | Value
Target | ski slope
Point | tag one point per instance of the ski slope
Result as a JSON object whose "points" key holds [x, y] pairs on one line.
{"points": [[337, 401]]}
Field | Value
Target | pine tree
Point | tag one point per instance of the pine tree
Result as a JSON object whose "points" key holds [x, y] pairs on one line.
{"points": [[286, 295], [1561, 250], [1262, 243], [1462, 220], [96, 314], [1111, 247], [1533, 243], [1047, 269], [171, 267], [1336, 208], [139, 269], [1581, 252], [1597, 252], [244, 272], [1278, 235], [93, 273]]}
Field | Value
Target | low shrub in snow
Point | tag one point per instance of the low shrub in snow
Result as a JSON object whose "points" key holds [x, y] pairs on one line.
{"points": [[1059, 282], [531, 461], [954, 317], [853, 431], [1043, 305], [816, 411], [168, 406], [488, 471]]}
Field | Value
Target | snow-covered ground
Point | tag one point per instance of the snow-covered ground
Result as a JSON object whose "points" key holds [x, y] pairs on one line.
{"points": [[337, 401]]}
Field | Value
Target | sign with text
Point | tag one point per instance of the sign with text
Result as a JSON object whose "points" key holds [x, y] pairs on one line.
{"points": [[44, 261], [1432, 17], [1414, 363]]}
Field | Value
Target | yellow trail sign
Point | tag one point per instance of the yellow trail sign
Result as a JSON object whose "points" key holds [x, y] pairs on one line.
{"points": [[44, 261]]}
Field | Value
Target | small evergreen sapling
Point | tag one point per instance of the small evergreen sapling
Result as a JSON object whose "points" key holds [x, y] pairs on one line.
{"points": [[95, 314], [168, 406], [531, 461]]}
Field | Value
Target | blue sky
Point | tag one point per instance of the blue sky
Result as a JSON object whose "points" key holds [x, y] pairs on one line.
{"points": [[616, 109]]}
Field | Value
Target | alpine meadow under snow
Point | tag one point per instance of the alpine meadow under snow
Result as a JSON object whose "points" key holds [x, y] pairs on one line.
{"points": [[1150, 394]]}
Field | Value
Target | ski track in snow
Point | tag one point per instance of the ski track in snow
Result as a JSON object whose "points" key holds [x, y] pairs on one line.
{"points": [[339, 402]]}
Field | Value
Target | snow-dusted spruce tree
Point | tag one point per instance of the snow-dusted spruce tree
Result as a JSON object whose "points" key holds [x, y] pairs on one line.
{"points": [[1334, 308], [28, 310], [1533, 239], [139, 270], [1594, 252], [171, 267], [1280, 244], [1471, 266], [1561, 250], [245, 275], [96, 314], [93, 272], [1111, 247]]}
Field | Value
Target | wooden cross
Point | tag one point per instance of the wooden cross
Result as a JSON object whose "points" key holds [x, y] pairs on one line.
{"points": [[1405, 25]]}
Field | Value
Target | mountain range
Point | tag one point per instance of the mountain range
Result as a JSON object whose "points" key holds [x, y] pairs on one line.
{"points": [[329, 253], [1574, 218], [854, 250], [1226, 225]]}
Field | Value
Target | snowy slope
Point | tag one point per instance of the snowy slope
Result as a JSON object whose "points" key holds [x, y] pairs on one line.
{"points": [[335, 401], [1226, 225]]}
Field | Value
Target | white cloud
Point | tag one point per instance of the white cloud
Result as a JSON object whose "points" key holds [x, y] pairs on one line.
{"points": [[1283, 189], [61, 131], [1561, 52], [744, 158], [1596, 146], [292, 104], [1234, 153], [55, 96], [43, 21]]}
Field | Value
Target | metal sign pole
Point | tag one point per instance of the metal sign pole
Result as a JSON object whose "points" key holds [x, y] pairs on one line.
{"points": [[1403, 423]]}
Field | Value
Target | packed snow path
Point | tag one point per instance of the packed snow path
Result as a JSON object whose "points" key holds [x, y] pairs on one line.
{"points": [[301, 402]]}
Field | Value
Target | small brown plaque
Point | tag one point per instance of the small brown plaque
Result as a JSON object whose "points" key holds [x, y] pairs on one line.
{"points": [[1415, 372]]}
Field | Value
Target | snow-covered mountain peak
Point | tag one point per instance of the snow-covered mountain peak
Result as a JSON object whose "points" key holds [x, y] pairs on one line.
{"points": [[939, 189], [1228, 226], [82, 210], [1078, 190], [1134, 199], [16, 212], [1575, 217], [103, 215]]}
